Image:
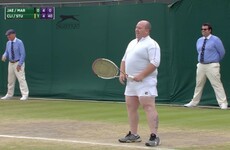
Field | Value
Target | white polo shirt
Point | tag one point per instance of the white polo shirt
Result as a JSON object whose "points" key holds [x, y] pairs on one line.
{"points": [[139, 54]]}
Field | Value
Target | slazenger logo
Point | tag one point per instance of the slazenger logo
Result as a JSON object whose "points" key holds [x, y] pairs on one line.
{"points": [[68, 22]]}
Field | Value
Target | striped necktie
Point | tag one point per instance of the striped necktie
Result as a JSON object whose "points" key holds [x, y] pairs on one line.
{"points": [[12, 51], [202, 51]]}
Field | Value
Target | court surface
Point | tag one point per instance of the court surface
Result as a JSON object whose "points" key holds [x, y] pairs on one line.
{"points": [[49, 124]]}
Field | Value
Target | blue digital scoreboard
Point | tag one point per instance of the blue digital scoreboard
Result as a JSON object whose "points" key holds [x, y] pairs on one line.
{"points": [[46, 13]]}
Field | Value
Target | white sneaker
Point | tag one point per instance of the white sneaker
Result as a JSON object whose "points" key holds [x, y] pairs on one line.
{"points": [[6, 97], [190, 104], [223, 106], [23, 98]]}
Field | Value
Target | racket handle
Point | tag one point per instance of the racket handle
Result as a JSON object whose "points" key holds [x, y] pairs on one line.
{"points": [[129, 77]]}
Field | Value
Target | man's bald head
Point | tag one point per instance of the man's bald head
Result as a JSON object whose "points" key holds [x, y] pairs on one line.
{"points": [[143, 29], [147, 24]]}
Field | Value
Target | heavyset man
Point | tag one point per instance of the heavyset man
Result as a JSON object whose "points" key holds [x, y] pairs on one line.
{"points": [[141, 60]]}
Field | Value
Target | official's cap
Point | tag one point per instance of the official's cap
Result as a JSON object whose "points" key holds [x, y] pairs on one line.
{"points": [[10, 31]]}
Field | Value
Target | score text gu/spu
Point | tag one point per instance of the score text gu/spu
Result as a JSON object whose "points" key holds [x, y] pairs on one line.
{"points": [[29, 16]]}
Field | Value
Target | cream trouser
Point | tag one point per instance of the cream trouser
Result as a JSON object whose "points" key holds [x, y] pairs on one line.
{"points": [[212, 72], [20, 75]]}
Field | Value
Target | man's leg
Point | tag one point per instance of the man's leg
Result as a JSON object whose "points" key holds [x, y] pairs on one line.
{"points": [[213, 75], [132, 104], [22, 81], [148, 104], [11, 79], [200, 82]]}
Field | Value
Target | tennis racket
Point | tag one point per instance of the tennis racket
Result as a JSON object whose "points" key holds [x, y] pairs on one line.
{"points": [[106, 69]]}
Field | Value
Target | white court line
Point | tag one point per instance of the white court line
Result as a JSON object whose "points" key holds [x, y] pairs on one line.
{"points": [[82, 142], [101, 101]]}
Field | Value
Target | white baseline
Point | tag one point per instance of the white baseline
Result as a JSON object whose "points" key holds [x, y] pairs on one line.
{"points": [[81, 142]]}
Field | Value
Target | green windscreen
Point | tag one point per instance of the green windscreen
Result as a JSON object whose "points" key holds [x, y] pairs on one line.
{"points": [[60, 51]]}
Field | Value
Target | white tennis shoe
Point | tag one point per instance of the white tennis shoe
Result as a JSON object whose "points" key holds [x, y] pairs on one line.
{"points": [[190, 104], [23, 98], [223, 106], [6, 97]]}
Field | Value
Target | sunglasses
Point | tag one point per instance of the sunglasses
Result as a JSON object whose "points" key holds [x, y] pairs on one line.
{"points": [[203, 29]]}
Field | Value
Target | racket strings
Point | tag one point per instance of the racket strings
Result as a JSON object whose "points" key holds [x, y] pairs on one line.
{"points": [[105, 69]]}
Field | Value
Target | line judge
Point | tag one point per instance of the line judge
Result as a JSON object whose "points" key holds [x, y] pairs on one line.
{"points": [[15, 53]]}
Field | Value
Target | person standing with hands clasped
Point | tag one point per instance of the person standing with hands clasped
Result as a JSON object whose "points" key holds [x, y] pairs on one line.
{"points": [[210, 52], [15, 53], [141, 60]]}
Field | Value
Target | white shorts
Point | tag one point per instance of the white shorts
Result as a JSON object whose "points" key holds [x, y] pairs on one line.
{"points": [[141, 89]]}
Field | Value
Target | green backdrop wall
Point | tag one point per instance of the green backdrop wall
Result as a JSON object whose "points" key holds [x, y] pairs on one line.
{"points": [[186, 18], [60, 53]]}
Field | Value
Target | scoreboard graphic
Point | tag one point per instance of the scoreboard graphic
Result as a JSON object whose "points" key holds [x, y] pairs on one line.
{"points": [[46, 13]]}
